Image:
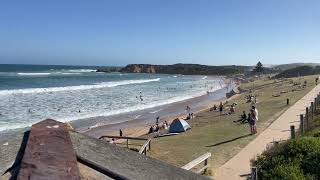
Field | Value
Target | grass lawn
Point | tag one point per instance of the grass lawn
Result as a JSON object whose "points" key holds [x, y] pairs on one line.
{"points": [[219, 134]]}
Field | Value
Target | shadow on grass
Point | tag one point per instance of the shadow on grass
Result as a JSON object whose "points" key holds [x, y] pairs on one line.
{"points": [[231, 140]]}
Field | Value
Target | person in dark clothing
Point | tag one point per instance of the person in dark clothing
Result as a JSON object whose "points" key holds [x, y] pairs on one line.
{"points": [[151, 130], [221, 108], [120, 132], [244, 117], [252, 122], [157, 128]]}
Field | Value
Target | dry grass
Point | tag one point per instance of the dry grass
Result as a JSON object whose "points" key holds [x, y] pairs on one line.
{"points": [[219, 134]]}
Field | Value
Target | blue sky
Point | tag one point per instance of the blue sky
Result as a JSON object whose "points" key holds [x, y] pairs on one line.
{"points": [[119, 32]]}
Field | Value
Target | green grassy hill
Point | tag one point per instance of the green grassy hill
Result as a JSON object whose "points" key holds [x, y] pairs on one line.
{"points": [[299, 71], [283, 67]]}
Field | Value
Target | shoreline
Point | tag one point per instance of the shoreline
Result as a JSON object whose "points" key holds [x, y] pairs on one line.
{"points": [[139, 127], [131, 122]]}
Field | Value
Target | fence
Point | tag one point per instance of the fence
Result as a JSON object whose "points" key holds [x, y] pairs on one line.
{"points": [[306, 121], [143, 150], [204, 158]]}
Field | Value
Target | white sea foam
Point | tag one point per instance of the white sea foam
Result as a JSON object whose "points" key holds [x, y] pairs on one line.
{"points": [[33, 74], [75, 88], [70, 73], [82, 70], [204, 77], [14, 126], [97, 102], [136, 108], [152, 112]]}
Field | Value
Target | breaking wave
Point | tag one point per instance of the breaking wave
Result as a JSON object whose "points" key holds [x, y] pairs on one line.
{"points": [[75, 88], [33, 74]]}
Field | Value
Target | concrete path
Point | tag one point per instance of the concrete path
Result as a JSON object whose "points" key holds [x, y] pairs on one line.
{"points": [[278, 130]]}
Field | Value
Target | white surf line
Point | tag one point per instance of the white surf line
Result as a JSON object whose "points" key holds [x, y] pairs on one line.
{"points": [[73, 88]]}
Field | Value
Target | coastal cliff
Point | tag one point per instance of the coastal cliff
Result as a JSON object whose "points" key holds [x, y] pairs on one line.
{"points": [[186, 69]]}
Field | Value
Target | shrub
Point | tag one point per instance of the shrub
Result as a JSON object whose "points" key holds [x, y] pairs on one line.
{"points": [[310, 164], [295, 159]]}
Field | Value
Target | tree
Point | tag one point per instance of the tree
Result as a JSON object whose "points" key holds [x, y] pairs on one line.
{"points": [[259, 67]]}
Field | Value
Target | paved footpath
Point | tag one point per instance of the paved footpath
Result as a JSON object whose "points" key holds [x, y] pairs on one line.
{"points": [[278, 130]]}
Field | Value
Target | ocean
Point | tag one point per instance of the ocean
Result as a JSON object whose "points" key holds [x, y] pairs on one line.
{"points": [[31, 93]]}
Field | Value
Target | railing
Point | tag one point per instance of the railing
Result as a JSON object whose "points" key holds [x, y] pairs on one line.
{"points": [[254, 173], [143, 149], [197, 161], [307, 119], [305, 123]]}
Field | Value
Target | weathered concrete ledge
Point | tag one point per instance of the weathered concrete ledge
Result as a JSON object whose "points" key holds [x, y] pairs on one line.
{"points": [[120, 163]]}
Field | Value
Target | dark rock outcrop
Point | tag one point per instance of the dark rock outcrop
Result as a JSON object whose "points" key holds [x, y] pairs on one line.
{"points": [[186, 69]]}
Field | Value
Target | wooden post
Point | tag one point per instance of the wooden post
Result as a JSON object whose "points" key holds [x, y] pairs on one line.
{"points": [[287, 101], [205, 164], [254, 173], [149, 145], [128, 143], [307, 114], [315, 104], [293, 132], [301, 124], [312, 110]]}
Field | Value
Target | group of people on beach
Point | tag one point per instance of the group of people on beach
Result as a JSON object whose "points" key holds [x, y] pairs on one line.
{"points": [[190, 114], [221, 108], [158, 127], [251, 119], [251, 99]]}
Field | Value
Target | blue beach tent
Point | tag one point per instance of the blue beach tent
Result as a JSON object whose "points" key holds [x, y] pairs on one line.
{"points": [[179, 125]]}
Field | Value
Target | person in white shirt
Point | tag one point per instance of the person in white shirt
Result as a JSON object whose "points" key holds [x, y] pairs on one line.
{"points": [[255, 110]]}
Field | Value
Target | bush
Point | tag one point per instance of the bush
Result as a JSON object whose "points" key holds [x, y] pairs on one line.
{"points": [[311, 165], [314, 133], [295, 159]]}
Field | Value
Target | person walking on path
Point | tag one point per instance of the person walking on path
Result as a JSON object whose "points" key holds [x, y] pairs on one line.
{"points": [[120, 132]]}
